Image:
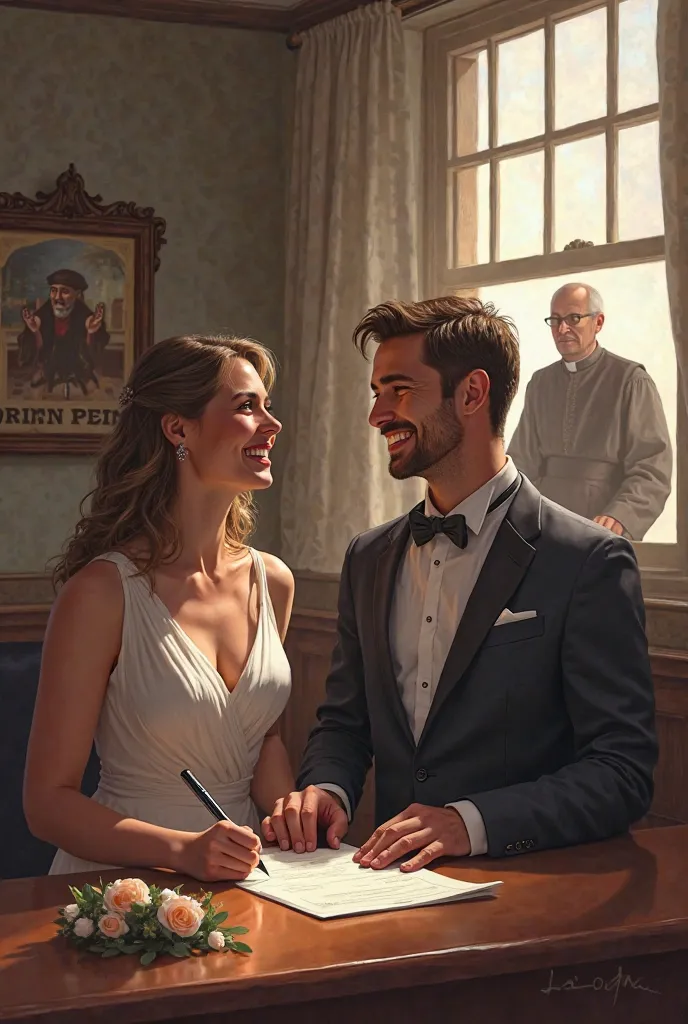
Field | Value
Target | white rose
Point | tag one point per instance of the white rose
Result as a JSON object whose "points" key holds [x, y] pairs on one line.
{"points": [[167, 894], [113, 926], [70, 911], [216, 940], [181, 915], [83, 927]]}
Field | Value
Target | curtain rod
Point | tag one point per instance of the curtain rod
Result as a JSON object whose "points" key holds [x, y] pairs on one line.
{"points": [[295, 39]]}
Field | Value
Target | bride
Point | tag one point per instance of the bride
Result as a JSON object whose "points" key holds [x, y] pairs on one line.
{"points": [[165, 640]]}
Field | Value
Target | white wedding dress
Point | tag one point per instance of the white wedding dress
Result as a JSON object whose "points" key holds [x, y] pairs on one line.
{"points": [[167, 708]]}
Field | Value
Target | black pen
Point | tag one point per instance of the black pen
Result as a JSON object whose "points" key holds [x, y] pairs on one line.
{"points": [[212, 805]]}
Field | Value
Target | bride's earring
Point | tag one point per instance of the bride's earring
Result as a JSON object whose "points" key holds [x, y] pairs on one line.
{"points": [[182, 451]]}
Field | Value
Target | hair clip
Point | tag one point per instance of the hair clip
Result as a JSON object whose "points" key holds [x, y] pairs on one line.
{"points": [[126, 396]]}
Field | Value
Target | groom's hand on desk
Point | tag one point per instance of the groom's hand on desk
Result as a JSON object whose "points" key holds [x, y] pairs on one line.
{"points": [[296, 819], [433, 831]]}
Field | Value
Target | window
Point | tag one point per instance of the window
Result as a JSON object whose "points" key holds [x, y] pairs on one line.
{"points": [[543, 166]]}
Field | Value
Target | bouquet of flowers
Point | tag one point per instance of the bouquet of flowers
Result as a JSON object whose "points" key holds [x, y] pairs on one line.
{"points": [[127, 917]]}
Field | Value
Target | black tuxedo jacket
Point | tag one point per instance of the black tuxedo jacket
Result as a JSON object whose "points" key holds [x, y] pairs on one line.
{"points": [[545, 724]]}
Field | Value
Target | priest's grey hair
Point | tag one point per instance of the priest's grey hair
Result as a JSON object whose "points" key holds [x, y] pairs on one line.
{"points": [[595, 301]]}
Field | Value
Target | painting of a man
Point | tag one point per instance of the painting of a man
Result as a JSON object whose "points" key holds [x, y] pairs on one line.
{"points": [[63, 338]]}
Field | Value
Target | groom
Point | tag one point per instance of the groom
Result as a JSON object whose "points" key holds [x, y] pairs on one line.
{"points": [[491, 652]]}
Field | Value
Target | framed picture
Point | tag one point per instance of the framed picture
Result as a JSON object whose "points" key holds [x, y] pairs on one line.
{"points": [[76, 309]]}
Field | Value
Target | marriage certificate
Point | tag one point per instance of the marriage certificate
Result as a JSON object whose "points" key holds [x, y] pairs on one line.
{"points": [[327, 883]]}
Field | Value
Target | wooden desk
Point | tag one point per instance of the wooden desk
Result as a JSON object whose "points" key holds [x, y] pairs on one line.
{"points": [[577, 935]]}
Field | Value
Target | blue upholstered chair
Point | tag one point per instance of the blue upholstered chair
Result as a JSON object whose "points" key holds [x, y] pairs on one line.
{"points": [[21, 854]]}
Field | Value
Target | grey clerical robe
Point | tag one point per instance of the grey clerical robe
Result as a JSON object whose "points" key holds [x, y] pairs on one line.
{"points": [[593, 437]]}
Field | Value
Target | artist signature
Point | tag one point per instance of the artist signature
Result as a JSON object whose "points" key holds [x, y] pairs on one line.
{"points": [[613, 985]]}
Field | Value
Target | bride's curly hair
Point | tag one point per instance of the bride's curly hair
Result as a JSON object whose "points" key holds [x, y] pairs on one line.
{"points": [[136, 473]]}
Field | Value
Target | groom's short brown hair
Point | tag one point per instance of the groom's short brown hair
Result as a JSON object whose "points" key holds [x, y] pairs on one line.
{"points": [[461, 335]]}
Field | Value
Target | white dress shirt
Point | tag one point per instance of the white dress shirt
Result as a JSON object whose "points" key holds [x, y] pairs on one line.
{"points": [[434, 583]]}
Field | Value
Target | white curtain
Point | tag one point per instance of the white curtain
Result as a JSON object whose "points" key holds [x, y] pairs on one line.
{"points": [[672, 54], [351, 244]]}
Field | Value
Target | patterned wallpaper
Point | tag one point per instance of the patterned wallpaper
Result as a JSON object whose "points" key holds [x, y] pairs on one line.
{"points": [[189, 120]]}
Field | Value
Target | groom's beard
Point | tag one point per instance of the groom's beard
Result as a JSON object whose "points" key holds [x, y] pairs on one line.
{"points": [[436, 437]]}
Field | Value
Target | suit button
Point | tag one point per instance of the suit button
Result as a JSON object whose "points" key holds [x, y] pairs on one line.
{"points": [[421, 775], [509, 848], [529, 844], [519, 846]]}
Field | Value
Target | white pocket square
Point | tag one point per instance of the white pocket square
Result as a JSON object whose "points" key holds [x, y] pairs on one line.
{"points": [[508, 616]]}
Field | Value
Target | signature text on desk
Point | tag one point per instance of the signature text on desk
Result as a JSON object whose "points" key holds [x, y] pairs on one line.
{"points": [[612, 985]]}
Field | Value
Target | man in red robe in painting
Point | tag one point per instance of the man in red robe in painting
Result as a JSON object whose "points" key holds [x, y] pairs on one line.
{"points": [[63, 337]]}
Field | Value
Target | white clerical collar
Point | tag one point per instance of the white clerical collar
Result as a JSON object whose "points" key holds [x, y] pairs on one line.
{"points": [[475, 506], [583, 364]]}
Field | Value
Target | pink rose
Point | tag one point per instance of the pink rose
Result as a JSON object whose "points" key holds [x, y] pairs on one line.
{"points": [[120, 895], [181, 915], [113, 926]]}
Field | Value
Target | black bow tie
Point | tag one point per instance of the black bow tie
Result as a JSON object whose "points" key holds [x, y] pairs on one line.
{"points": [[424, 528]]}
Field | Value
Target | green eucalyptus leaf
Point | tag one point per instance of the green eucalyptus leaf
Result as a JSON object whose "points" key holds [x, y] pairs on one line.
{"points": [[148, 957]]}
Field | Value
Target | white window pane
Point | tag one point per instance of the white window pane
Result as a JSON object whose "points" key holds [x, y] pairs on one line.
{"points": [[521, 88], [469, 241], [638, 84], [580, 190], [639, 190], [637, 326], [470, 114], [521, 205], [580, 42]]}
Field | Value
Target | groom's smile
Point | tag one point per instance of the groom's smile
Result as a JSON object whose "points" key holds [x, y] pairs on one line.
{"points": [[396, 439]]}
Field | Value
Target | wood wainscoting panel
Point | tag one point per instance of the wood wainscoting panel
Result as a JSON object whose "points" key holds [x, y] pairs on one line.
{"points": [[670, 673], [309, 645], [20, 622]]}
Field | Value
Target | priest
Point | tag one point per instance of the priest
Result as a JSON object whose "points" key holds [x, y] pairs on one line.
{"points": [[592, 435]]}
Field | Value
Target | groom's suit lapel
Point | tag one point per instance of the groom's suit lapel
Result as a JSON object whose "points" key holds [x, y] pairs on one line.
{"points": [[386, 568], [505, 566]]}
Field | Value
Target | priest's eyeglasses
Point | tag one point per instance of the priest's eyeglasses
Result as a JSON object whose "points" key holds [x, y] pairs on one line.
{"points": [[572, 320]]}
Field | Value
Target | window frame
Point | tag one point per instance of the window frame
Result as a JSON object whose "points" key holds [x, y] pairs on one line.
{"points": [[664, 566]]}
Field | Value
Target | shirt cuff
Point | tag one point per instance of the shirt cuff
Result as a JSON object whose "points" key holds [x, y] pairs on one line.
{"points": [[475, 826], [338, 791]]}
